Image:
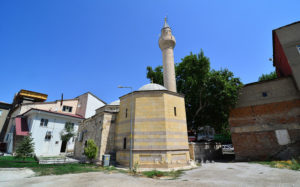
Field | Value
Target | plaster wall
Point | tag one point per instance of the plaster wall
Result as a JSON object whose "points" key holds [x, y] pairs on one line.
{"points": [[289, 38], [52, 106], [92, 104], [282, 89], [82, 105], [55, 126]]}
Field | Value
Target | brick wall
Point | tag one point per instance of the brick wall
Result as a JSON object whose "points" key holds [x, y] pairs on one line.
{"points": [[267, 128]]}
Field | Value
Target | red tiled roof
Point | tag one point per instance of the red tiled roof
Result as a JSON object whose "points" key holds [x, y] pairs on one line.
{"points": [[21, 127]]}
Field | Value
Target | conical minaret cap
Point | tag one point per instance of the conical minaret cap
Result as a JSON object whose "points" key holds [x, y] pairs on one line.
{"points": [[166, 25]]}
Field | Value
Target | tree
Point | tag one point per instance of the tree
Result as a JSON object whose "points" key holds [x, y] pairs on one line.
{"points": [[25, 148], [91, 150], [270, 76], [67, 133], [209, 94], [155, 75]]}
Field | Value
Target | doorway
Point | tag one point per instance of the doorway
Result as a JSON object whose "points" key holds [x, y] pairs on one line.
{"points": [[63, 146]]}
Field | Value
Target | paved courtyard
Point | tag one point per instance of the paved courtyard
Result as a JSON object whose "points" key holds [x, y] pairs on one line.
{"points": [[212, 174]]}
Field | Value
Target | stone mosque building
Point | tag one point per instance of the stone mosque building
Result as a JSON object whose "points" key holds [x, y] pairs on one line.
{"points": [[158, 118]]}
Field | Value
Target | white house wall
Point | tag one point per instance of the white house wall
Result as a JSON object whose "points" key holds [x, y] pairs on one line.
{"points": [[55, 125], [92, 104]]}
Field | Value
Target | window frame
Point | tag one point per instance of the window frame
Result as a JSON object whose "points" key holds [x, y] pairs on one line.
{"points": [[44, 122], [48, 136], [67, 108]]}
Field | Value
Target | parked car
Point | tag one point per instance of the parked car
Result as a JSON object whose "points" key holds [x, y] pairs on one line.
{"points": [[227, 149]]}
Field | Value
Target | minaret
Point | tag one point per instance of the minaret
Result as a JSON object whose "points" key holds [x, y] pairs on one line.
{"points": [[166, 44]]}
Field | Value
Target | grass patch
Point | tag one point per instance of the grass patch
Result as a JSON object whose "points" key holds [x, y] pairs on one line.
{"points": [[16, 159], [51, 169], [158, 174], [293, 164]]}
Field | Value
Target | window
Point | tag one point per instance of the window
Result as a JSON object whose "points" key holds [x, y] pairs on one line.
{"points": [[124, 143], [126, 113], [85, 143], [0, 112], [264, 94], [48, 136], [67, 108], [175, 114], [44, 122]]}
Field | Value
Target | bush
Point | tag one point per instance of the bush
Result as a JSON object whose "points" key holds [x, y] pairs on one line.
{"points": [[154, 173], [91, 150], [25, 148]]}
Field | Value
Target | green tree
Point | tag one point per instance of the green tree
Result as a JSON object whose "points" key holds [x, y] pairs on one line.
{"points": [[209, 94], [68, 132], [270, 76], [25, 148], [91, 150], [155, 75]]}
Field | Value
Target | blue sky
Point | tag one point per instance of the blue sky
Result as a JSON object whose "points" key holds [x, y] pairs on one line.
{"points": [[71, 47]]}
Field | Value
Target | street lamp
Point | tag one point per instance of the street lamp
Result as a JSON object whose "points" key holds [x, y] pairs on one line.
{"points": [[131, 119]]}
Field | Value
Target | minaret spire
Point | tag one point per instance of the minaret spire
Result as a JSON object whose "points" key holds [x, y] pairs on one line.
{"points": [[167, 43], [166, 25]]}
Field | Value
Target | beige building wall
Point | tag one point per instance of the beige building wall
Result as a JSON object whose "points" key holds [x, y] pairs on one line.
{"points": [[159, 135], [52, 106]]}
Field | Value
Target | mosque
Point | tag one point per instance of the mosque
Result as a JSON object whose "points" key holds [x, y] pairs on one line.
{"points": [[145, 127]]}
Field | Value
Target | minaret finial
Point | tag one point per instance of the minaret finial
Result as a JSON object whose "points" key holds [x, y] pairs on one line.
{"points": [[166, 24]]}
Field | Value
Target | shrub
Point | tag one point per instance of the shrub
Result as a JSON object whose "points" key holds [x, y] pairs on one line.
{"points": [[91, 150], [154, 173], [25, 148]]}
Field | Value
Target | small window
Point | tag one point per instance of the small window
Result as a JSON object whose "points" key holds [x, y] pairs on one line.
{"points": [[175, 112], [264, 94], [48, 136], [124, 143], [0, 112], [67, 108], [44, 122], [126, 113], [85, 143]]}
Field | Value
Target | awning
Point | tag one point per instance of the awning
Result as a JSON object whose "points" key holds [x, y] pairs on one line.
{"points": [[21, 127]]}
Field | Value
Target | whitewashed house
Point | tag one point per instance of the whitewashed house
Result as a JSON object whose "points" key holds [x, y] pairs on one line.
{"points": [[45, 128]]}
